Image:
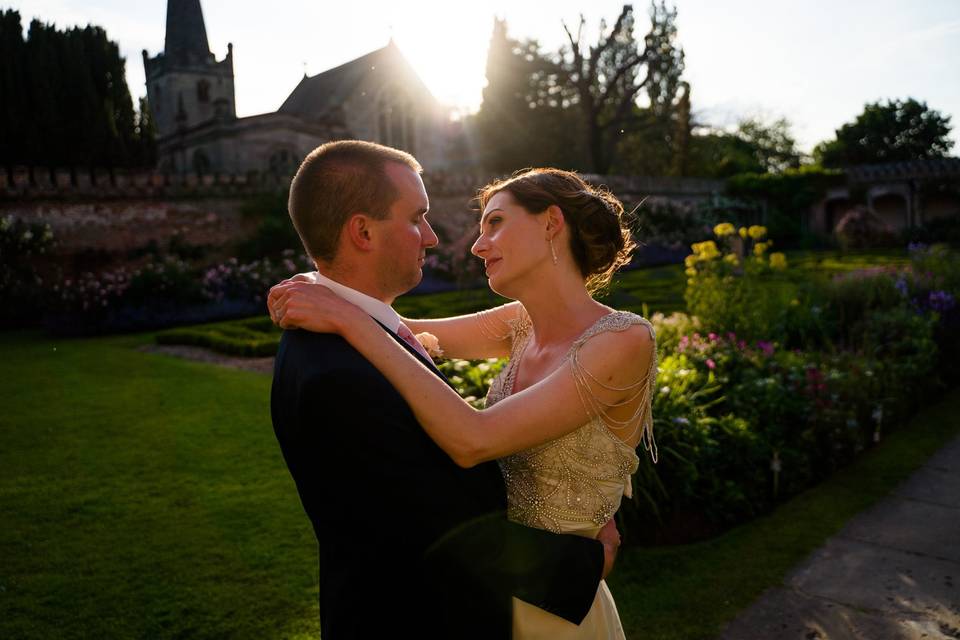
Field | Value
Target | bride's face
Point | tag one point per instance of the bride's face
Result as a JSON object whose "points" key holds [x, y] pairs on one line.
{"points": [[512, 244]]}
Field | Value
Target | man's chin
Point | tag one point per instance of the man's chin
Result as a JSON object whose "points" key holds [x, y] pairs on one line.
{"points": [[412, 283]]}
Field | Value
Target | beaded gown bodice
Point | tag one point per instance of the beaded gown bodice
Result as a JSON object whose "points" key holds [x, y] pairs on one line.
{"points": [[573, 484]]}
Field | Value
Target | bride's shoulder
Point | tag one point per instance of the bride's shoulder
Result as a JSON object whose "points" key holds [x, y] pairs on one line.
{"points": [[619, 333], [624, 327]]}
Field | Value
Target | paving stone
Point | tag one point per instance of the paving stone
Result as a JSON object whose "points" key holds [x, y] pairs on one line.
{"points": [[782, 614], [932, 484], [865, 576], [947, 458], [909, 525]]}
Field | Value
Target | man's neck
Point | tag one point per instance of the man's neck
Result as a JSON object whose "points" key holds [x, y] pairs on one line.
{"points": [[353, 278]]}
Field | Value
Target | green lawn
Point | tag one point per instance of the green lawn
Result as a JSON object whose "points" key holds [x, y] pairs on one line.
{"points": [[145, 496]]}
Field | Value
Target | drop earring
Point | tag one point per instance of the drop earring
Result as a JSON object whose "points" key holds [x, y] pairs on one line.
{"points": [[553, 252]]}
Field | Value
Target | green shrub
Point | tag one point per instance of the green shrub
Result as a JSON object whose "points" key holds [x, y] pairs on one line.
{"points": [[252, 337]]}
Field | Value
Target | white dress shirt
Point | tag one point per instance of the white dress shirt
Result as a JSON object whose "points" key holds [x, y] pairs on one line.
{"points": [[377, 309]]}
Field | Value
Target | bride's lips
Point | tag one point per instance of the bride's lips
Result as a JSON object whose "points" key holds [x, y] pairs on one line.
{"points": [[489, 263]]}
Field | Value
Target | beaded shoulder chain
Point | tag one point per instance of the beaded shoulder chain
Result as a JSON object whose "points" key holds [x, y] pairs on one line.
{"points": [[640, 390]]}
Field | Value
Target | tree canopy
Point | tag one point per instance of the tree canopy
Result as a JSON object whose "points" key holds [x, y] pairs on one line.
{"points": [[587, 106], [64, 99], [894, 131]]}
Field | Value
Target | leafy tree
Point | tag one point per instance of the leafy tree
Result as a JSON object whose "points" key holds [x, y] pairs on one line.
{"points": [[607, 78], [895, 131], [754, 146], [773, 144], [523, 120], [719, 154]]}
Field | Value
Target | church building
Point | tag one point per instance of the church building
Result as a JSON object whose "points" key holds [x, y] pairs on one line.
{"points": [[377, 97]]}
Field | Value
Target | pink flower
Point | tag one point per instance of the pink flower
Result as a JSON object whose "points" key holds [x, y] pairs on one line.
{"points": [[711, 364], [712, 336]]}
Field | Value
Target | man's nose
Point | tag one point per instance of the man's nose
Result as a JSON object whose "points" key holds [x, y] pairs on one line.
{"points": [[429, 238]]}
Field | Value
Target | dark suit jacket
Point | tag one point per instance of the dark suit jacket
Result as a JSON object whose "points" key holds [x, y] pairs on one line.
{"points": [[409, 542]]}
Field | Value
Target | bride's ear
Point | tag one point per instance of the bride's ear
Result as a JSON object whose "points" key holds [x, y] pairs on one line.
{"points": [[554, 220]]}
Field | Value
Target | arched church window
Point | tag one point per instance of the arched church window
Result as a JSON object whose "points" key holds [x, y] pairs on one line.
{"points": [[383, 119], [397, 137], [411, 129], [201, 162], [283, 163], [203, 91]]}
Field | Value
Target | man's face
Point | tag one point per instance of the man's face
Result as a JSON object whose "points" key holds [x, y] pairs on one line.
{"points": [[405, 235]]}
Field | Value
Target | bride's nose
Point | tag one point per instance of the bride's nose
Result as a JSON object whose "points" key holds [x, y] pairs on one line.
{"points": [[480, 246]]}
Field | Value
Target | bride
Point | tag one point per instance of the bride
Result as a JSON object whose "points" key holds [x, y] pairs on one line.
{"points": [[567, 414]]}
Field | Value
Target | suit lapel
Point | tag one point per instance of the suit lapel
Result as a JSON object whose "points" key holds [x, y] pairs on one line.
{"points": [[417, 354]]}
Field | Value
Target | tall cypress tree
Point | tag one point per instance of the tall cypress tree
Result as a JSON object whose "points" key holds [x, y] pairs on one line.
{"points": [[64, 99]]}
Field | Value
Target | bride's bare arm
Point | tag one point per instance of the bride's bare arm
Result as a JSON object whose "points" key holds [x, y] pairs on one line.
{"points": [[547, 410], [485, 334]]}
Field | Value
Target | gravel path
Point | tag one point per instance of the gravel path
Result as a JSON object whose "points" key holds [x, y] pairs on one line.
{"points": [[202, 354]]}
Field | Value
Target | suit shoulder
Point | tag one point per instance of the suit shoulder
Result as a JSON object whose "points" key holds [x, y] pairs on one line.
{"points": [[318, 353]]}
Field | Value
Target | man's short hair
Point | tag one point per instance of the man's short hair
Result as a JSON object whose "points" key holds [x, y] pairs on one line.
{"points": [[338, 179]]}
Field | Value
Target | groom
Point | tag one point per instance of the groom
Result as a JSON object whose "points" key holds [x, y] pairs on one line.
{"points": [[409, 542]]}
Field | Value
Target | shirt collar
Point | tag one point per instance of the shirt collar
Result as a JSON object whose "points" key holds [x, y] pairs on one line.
{"points": [[379, 310]]}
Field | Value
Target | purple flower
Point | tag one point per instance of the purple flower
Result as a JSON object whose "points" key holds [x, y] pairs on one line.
{"points": [[766, 347], [901, 286], [941, 301]]}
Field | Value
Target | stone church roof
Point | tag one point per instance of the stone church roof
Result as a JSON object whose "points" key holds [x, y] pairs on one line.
{"points": [[326, 92], [186, 40]]}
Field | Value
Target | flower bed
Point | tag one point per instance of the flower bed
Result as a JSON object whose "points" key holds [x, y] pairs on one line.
{"points": [[782, 375], [165, 293]]}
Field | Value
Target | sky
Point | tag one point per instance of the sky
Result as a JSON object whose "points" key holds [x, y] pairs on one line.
{"points": [[815, 62]]}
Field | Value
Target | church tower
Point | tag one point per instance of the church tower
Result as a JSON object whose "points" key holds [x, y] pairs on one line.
{"points": [[186, 85]]}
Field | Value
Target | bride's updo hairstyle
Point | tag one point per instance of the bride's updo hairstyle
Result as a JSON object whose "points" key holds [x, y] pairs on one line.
{"points": [[599, 237]]}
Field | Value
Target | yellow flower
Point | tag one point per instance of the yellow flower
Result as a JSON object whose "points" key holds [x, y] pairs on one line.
{"points": [[706, 250], [690, 260], [724, 229], [756, 231], [778, 260], [759, 248], [691, 271], [794, 302], [743, 232], [731, 258]]}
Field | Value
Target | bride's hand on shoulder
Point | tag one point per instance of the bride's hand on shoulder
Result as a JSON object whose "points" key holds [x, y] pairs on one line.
{"points": [[307, 276], [300, 304]]}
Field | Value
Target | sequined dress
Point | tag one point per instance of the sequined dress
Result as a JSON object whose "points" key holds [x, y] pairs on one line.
{"points": [[573, 484]]}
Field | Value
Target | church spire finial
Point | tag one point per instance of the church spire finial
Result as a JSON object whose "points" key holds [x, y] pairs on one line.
{"points": [[186, 37]]}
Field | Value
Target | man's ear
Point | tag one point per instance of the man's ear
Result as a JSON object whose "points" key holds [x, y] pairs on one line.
{"points": [[359, 231], [554, 220]]}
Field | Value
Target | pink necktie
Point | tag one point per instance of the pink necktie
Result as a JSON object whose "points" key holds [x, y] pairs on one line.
{"points": [[404, 332]]}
